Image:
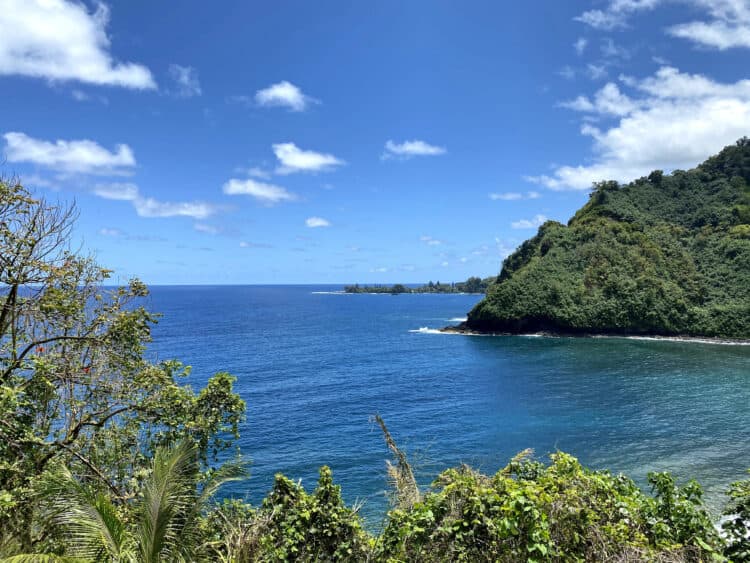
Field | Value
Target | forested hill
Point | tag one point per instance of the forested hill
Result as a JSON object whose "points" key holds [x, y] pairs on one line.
{"points": [[663, 255]]}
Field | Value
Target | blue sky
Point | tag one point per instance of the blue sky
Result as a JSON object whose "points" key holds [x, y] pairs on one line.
{"points": [[294, 142]]}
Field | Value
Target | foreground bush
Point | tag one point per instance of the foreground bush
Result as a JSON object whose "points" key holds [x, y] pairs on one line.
{"points": [[528, 511], [561, 512]]}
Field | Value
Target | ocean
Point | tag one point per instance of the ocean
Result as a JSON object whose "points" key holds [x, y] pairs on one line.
{"points": [[314, 365]]}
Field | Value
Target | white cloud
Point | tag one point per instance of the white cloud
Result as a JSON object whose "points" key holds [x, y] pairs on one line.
{"points": [[150, 207], [673, 120], [727, 26], [607, 101], [293, 159], [716, 34], [537, 221], [122, 191], [186, 81], [408, 149], [267, 193], [60, 40], [514, 196], [580, 45], [616, 14], [284, 94], [315, 222], [81, 156]]}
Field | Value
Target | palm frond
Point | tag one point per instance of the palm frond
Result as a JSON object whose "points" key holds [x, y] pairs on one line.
{"points": [[168, 496], [91, 523]]}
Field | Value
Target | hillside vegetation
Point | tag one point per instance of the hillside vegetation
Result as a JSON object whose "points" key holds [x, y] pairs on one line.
{"points": [[663, 255]]}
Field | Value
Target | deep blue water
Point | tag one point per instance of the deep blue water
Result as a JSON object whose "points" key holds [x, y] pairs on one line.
{"points": [[314, 367]]}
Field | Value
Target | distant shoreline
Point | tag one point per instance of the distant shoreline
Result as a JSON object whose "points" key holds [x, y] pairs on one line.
{"points": [[459, 329]]}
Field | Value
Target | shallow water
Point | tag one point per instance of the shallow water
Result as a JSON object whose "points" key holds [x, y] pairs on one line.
{"points": [[313, 365]]}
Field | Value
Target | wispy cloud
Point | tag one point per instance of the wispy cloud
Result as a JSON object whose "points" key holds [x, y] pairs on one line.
{"points": [[616, 14], [257, 172], [727, 24], [293, 159], [79, 156], [670, 120], [514, 196], [266, 193], [533, 223], [59, 40], [186, 81], [247, 244], [316, 222], [151, 207], [580, 45], [430, 241], [284, 94], [409, 149], [123, 191], [107, 232]]}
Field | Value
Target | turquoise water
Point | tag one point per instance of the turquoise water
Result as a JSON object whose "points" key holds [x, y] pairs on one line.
{"points": [[313, 367]]}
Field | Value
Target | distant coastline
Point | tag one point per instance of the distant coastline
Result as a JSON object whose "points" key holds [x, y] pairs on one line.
{"points": [[474, 284]]}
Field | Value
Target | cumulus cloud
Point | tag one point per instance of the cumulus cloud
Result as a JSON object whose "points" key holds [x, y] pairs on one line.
{"points": [[315, 222], [537, 221], [284, 94], [80, 156], [266, 193], [727, 24], [671, 120], [408, 149], [293, 159], [186, 81], [59, 40]]}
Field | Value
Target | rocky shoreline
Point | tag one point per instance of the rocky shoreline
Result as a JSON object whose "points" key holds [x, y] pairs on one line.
{"points": [[463, 328]]}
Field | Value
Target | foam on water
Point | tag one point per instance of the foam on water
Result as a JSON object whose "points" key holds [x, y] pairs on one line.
{"points": [[427, 330]]}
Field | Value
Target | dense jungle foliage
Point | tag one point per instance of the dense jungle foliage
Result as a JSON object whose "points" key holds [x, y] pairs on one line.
{"points": [[663, 255], [107, 457]]}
